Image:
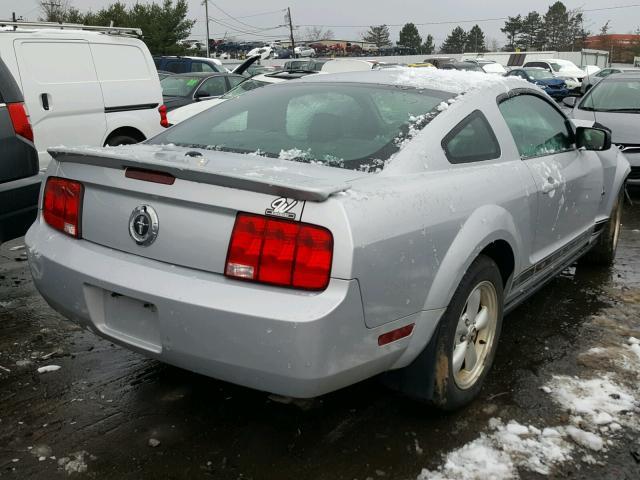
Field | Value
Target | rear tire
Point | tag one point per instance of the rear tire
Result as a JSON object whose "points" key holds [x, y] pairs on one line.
{"points": [[461, 352], [604, 251], [121, 140]]}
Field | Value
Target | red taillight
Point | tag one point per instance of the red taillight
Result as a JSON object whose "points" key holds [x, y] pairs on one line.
{"points": [[20, 120], [280, 252], [164, 122], [62, 204]]}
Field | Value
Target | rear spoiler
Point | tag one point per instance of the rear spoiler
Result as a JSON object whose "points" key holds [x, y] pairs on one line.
{"points": [[300, 181]]}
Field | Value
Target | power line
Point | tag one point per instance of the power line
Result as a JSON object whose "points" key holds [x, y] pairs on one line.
{"points": [[448, 22], [235, 19], [282, 10], [246, 32]]}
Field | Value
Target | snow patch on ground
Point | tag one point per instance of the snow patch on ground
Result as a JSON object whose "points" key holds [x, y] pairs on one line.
{"points": [[595, 402], [498, 454], [49, 368], [75, 463]]}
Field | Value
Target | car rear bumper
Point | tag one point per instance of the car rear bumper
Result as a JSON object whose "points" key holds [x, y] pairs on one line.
{"points": [[18, 206], [278, 340]]}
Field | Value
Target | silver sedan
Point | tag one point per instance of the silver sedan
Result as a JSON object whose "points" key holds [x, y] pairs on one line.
{"points": [[304, 237]]}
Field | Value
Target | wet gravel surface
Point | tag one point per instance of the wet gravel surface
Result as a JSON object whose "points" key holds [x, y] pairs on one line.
{"points": [[110, 413]]}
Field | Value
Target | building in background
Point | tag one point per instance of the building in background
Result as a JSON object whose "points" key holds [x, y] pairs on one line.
{"points": [[622, 48]]}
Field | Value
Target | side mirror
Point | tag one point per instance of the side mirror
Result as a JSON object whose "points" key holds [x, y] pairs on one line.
{"points": [[570, 101], [200, 94], [594, 139]]}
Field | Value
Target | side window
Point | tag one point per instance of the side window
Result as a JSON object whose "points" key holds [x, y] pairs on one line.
{"points": [[202, 67], [537, 128], [472, 140], [175, 67], [235, 81], [212, 87]]}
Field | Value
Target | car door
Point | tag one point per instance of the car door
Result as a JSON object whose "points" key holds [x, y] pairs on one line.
{"points": [[569, 182], [62, 93]]}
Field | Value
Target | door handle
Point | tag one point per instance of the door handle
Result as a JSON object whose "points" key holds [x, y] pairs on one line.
{"points": [[45, 101], [550, 185]]}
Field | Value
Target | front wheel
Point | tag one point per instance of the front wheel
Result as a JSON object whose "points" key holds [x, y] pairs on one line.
{"points": [[604, 251]]}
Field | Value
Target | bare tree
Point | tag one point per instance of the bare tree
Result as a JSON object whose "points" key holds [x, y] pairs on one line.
{"points": [[313, 34]]}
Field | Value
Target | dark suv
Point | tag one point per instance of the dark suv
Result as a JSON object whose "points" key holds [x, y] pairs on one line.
{"points": [[19, 178]]}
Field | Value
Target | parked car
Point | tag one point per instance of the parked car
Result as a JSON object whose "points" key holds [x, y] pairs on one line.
{"points": [[555, 87], [421, 65], [331, 229], [19, 178], [466, 66], [564, 69], [439, 61], [185, 88], [615, 103], [176, 64], [264, 52], [282, 53], [84, 87], [309, 64], [488, 66], [303, 51], [592, 80]]}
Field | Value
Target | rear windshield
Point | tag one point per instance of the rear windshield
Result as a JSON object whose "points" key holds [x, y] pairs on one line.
{"points": [[342, 125], [174, 86], [244, 87]]}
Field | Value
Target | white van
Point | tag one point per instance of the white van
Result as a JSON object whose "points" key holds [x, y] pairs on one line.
{"points": [[84, 87]]}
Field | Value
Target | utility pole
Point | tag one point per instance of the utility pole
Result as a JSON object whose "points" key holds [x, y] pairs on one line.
{"points": [[293, 45], [206, 12]]}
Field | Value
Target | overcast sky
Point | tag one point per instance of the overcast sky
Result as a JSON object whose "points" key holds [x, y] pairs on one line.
{"points": [[355, 14]]}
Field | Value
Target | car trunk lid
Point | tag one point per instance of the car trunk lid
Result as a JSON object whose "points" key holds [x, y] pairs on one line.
{"points": [[195, 213]]}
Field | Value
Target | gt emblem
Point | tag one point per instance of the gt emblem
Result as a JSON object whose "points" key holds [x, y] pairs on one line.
{"points": [[143, 225], [281, 207]]}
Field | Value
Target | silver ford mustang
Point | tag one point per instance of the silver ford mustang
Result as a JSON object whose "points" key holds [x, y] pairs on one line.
{"points": [[301, 238]]}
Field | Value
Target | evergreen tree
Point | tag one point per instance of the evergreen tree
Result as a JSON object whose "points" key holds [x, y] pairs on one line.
{"points": [[475, 40], [532, 36], [410, 37], [378, 34], [512, 28], [164, 25], [455, 42], [428, 47]]}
